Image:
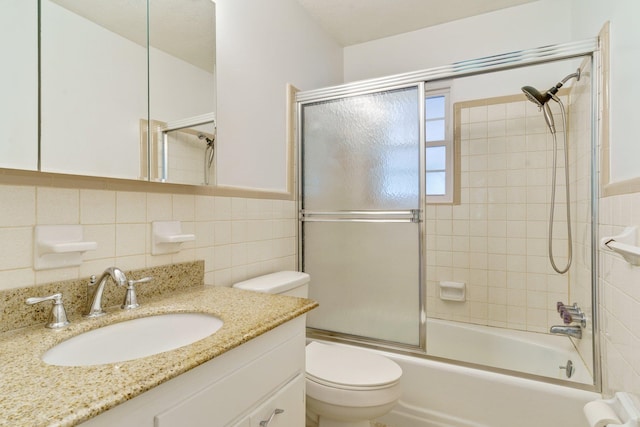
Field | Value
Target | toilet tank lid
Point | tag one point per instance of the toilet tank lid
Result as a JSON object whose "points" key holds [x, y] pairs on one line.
{"points": [[275, 283]]}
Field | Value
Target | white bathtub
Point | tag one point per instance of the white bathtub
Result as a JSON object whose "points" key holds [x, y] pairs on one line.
{"points": [[529, 352], [439, 394]]}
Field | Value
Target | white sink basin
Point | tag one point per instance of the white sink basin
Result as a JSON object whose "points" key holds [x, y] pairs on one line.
{"points": [[133, 339]]}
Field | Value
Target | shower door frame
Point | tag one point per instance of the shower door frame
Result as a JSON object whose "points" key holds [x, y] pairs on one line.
{"points": [[516, 59]]}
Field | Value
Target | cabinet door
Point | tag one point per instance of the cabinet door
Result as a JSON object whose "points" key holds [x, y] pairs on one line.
{"points": [[285, 408]]}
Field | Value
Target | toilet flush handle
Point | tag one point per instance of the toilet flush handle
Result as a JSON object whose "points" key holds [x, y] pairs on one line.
{"points": [[266, 423]]}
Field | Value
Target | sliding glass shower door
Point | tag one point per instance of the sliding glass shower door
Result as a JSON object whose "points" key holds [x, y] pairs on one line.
{"points": [[361, 193]]}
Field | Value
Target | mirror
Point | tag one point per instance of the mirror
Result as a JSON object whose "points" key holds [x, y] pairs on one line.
{"points": [[182, 90], [19, 85], [101, 87]]}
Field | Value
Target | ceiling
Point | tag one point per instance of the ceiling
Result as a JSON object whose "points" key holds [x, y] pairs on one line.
{"points": [[351, 22]]}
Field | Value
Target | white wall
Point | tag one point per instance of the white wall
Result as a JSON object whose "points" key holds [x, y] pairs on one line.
{"points": [[262, 46], [531, 25], [588, 18]]}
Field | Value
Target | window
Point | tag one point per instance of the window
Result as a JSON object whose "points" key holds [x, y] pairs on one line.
{"points": [[439, 150]]}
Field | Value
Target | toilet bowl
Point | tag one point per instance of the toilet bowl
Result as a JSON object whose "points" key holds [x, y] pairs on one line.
{"points": [[349, 387], [345, 387]]}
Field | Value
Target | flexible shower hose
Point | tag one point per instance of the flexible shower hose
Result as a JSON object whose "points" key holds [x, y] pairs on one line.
{"points": [[567, 194]]}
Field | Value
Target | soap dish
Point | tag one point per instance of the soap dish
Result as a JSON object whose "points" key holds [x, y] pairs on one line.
{"points": [[452, 291]]}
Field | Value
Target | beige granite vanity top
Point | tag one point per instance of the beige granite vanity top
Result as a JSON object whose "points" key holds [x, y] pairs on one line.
{"points": [[33, 393]]}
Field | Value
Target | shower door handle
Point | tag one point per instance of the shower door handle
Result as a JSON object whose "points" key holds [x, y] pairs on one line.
{"points": [[410, 215]]}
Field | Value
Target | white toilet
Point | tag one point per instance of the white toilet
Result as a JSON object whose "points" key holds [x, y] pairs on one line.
{"points": [[346, 387]]}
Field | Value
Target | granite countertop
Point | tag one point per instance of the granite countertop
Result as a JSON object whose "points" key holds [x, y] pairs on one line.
{"points": [[36, 394]]}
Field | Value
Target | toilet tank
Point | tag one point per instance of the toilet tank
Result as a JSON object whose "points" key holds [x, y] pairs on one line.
{"points": [[291, 283]]}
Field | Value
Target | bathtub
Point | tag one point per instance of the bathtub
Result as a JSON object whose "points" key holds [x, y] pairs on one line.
{"points": [[440, 394], [528, 352]]}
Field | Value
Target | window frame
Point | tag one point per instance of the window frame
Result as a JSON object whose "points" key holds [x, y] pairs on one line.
{"points": [[432, 90]]}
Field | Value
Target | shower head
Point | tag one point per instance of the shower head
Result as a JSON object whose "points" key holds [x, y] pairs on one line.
{"points": [[541, 99], [535, 96]]}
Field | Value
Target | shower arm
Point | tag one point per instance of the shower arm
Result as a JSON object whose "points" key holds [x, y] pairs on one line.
{"points": [[552, 92]]}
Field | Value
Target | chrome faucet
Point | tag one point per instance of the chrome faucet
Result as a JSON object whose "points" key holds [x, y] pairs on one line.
{"points": [[95, 289], [574, 331]]}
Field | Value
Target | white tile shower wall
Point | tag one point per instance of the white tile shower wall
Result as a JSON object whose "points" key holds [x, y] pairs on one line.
{"points": [[496, 239], [619, 300], [236, 237]]}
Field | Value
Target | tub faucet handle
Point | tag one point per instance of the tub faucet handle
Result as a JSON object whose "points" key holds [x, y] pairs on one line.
{"points": [[58, 317], [560, 306], [571, 310], [569, 318]]}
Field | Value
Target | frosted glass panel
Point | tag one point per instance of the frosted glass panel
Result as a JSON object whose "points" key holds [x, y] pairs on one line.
{"points": [[362, 152], [366, 278]]}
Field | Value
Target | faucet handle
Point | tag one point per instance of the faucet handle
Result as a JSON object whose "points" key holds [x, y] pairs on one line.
{"points": [[560, 306], [570, 309], [130, 297], [569, 318], [58, 317]]}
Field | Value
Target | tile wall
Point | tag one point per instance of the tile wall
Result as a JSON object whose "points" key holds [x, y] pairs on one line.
{"points": [[236, 237], [495, 240], [619, 300]]}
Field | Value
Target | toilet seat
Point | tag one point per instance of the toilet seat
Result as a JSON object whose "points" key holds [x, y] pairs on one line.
{"points": [[349, 369]]}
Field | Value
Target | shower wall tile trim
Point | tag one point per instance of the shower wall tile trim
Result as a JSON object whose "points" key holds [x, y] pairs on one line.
{"points": [[237, 237]]}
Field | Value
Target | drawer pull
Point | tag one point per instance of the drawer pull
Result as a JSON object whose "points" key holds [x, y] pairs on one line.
{"points": [[265, 423]]}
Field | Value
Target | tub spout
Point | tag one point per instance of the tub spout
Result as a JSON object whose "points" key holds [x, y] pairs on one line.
{"points": [[574, 331]]}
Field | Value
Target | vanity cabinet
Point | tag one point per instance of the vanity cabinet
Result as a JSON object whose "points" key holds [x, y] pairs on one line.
{"points": [[239, 388]]}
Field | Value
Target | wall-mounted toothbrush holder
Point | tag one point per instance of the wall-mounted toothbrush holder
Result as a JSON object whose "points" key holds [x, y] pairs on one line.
{"points": [[57, 246], [452, 291], [624, 244], [167, 237]]}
